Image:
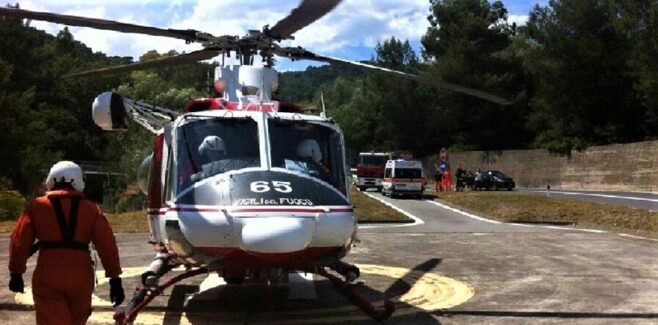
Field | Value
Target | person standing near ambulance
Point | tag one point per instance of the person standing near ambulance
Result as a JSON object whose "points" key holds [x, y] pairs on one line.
{"points": [[64, 223]]}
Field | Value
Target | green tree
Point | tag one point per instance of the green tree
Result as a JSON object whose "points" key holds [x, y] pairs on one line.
{"points": [[469, 43], [302, 86], [49, 115], [395, 54], [377, 112], [637, 20], [578, 66], [128, 149]]}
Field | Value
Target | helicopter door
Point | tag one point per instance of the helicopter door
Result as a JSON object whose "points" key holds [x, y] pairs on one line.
{"points": [[155, 189]]}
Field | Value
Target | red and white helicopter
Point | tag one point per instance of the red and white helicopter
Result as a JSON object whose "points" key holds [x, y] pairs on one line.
{"points": [[240, 185]]}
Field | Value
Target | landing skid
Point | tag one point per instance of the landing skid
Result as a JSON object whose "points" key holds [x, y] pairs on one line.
{"points": [[379, 313], [144, 295]]}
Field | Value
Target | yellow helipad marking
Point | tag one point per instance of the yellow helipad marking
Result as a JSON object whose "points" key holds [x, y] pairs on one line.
{"points": [[428, 292], [128, 272]]}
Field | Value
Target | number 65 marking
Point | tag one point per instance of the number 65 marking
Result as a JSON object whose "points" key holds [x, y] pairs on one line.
{"points": [[264, 186]]}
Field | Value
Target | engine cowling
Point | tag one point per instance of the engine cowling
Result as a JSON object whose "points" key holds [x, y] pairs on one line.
{"points": [[143, 172]]}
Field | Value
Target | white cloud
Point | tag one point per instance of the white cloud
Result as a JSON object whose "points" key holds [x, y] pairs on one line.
{"points": [[520, 20], [364, 23], [353, 23], [350, 31]]}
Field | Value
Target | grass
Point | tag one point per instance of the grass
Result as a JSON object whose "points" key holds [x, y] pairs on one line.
{"points": [[129, 222], [529, 208], [367, 210], [7, 225]]}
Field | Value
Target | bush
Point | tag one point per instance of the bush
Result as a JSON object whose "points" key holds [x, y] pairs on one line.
{"points": [[129, 203], [11, 205]]}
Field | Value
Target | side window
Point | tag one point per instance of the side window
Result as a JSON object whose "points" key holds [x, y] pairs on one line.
{"points": [[387, 173], [168, 191]]}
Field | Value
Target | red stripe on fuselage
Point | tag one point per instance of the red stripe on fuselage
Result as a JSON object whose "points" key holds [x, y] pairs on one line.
{"points": [[242, 210]]}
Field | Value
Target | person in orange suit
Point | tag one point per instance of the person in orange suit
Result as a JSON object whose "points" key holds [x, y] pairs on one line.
{"points": [[446, 182], [64, 223]]}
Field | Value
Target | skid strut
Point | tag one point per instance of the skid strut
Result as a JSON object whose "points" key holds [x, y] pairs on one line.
{"points": [[144, 295], [348, 289]]}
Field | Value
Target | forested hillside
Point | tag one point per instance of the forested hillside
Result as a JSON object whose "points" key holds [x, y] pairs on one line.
{"points": [[46, 118], [579, 73], [302, 86]]}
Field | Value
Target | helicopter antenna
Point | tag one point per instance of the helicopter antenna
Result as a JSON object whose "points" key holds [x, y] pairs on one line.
{"points": [[260, 92], [324, 112]]}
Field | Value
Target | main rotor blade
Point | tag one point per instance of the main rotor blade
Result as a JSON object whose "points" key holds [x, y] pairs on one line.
{"points": [[187, 35], [307, 12], [296, 54], [185, 58]]}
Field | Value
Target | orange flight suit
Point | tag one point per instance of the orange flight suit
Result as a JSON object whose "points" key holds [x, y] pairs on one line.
{"points": [[446, 181], [63, 280]]}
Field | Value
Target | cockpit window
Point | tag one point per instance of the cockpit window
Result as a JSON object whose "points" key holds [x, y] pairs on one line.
{"points": [[209, 146], [308, 148]]}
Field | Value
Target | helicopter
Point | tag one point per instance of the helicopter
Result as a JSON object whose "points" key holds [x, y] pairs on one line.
{"points": [[241, 185]]}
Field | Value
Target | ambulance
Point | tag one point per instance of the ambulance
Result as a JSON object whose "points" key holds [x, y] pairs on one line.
{"points": [[403, 177]]}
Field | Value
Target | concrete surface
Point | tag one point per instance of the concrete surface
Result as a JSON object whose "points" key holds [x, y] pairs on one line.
{"points": [[516, 274]]}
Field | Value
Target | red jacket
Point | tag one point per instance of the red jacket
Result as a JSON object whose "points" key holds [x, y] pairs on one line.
{"points": [[39, 221]]}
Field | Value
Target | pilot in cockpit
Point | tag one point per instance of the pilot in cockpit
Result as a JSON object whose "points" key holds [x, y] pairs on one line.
{"points": [[212, 151], [309, 160], [212, 148]]}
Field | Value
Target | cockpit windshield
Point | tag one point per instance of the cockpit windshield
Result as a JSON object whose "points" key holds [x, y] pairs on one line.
{"points": [[308, 148], [209, 146]]}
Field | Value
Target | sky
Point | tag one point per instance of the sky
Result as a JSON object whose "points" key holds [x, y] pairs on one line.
{"points": [[350, 31]]}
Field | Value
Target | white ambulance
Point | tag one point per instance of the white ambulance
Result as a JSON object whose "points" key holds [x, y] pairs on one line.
{"points": [[403, 177]]}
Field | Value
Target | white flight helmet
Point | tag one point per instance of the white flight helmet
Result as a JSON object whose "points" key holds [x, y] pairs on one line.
{"points": [[309, 149], [212, 145], [66, 172]]}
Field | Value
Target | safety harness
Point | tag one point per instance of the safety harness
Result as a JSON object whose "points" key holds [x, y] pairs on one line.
{"points": [[68, 230]]}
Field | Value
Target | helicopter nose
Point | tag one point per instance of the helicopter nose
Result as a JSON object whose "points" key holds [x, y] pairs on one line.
{"points": [[277, 235]]}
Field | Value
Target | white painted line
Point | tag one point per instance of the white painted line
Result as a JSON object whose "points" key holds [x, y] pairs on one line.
{"points": [[638, 237], [543, 189], [595, 231], [463, 213], [417, 221], [609, 196]]}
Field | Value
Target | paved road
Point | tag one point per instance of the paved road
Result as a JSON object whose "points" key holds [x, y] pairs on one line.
{"points": [[531, 274], [634, 200], [485, 273]]}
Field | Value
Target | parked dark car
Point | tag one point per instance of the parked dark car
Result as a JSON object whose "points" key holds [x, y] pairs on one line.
{"points": [[495, 180]]}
